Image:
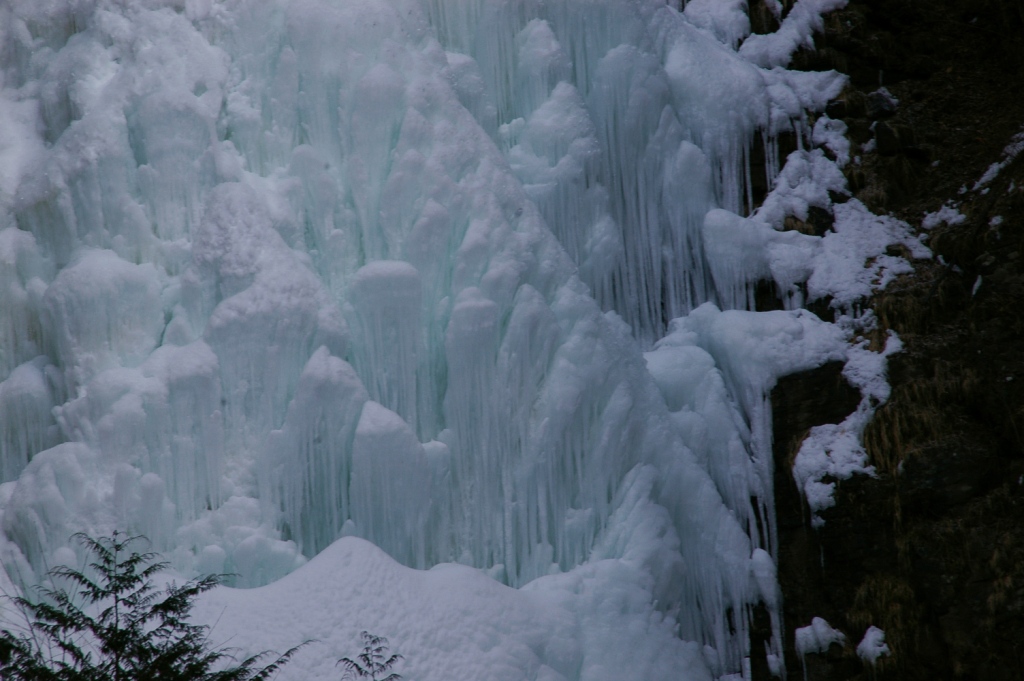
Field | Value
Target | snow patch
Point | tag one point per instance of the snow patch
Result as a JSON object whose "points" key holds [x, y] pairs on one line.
{"points": [[797, 31], [872, 646], [1010, 152], [817, 637], [835, 450], [948, 215]]}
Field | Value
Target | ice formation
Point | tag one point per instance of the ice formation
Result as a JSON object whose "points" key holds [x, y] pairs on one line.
{"points": [[816, 637], [280, 273], [834, 451], [873, 645], [1010, 152], [948, 214]]}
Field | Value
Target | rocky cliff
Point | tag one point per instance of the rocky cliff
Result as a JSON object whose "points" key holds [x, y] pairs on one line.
{"points": [[931, 549]]}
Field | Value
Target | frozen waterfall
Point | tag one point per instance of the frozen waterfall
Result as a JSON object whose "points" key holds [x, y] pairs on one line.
{"points": [[467, 280]]}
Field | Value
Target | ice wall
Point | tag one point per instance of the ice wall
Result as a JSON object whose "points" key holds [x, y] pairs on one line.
{"points": [[275, 273], [626, 125]]}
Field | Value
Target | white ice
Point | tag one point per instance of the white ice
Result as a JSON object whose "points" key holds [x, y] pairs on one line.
{"points": [[948, 215], [816, 637], [835, 451], [797, 31], [1010, 152], [292, 287], [873, 645]]}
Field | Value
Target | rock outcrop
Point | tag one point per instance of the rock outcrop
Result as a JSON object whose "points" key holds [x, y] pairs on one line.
{"points": [[931, 550]]}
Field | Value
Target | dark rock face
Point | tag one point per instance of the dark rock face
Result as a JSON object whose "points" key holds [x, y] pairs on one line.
{"points": [[810, 398], [931, 550], [762, 20], [799, 402], [880, 104], [887, 140]]}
